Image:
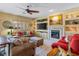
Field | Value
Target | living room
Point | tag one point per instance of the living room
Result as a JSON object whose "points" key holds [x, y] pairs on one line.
{"points": [[39, 29]]}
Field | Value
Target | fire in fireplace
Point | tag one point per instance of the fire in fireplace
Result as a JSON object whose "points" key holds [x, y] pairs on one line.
{"points": [[55, 34]]}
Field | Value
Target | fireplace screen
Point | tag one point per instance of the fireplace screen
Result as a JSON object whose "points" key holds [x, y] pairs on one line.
{"points": [[55, 34]]}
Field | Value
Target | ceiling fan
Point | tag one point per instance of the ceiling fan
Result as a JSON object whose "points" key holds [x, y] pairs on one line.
{"points": [[30, 11]]}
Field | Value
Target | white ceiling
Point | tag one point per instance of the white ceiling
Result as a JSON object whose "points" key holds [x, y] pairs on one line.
{"points": [[43, 8]]}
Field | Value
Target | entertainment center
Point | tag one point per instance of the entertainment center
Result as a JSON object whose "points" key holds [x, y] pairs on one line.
{"points": [[67, 19], [42, 27]]}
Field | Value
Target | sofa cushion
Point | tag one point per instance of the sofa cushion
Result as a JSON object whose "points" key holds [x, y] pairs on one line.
{"points": [[62, 45], [18, 42], [74, 44]]}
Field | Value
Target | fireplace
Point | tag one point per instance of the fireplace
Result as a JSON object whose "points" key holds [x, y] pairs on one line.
{"points": [[55, 34]]}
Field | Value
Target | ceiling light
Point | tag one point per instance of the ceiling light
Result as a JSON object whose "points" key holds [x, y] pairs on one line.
{"points": [[51, 10]]}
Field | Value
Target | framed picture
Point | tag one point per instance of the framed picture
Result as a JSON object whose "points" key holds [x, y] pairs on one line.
{"points": [[56, 20]]}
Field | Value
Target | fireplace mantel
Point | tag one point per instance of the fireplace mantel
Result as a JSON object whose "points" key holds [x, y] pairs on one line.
{"points": [[56, 32]]}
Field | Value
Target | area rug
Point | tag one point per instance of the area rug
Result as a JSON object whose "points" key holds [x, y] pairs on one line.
{"points": [[44, 49]]}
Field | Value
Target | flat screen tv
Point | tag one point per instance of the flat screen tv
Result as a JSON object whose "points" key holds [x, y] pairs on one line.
{"points": [[42, 26]]}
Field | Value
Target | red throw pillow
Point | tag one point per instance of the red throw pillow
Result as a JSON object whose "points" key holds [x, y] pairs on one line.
{"points": [[54, 45], [20, 33], [63, 45], [63, 40]]}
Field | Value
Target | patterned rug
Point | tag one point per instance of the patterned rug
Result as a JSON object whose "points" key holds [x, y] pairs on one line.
{"points": [[44, 49]]}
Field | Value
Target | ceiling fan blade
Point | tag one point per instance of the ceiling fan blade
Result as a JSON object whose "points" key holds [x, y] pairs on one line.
{"points": [[27, 10], [30, 13], [34, 11]]}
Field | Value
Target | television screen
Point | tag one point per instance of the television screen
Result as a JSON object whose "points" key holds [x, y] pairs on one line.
{"points": [[42, 26]]}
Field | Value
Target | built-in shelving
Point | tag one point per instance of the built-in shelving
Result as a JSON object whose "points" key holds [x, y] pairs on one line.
{"points": [[42, 32], [71, 21], [68, 19]]}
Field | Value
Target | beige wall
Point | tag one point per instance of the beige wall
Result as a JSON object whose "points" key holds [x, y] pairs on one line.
{"points": [[11, 17]]}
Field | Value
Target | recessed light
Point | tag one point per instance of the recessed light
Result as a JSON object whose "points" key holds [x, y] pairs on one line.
{"points": [[51, 10]]}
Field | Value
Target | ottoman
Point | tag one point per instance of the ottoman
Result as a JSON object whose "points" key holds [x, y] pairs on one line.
{"points": [[38, 41]]}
